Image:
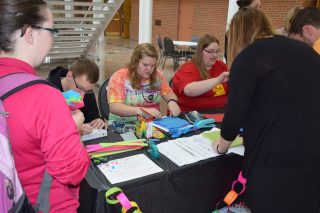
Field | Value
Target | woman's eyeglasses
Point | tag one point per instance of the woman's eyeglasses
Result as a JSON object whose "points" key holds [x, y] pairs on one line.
{"points": [[53, 31], [87, 92], [213, 51]]}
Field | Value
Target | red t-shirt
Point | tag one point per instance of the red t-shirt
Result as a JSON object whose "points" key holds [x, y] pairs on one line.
{"points": [[189, 73]]}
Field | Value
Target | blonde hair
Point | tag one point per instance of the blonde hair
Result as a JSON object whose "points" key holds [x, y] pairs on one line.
{"points": [[203, 43], [247, 26], [290, 17], [142, 50]]}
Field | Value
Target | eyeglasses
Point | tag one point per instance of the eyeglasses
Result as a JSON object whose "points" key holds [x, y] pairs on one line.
{"points": [[53, 31], [87, 92], [213, 51], [121, 127]]}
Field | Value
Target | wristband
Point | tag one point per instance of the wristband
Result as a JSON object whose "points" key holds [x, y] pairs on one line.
{"points": [[221, 153], [174, 100]]}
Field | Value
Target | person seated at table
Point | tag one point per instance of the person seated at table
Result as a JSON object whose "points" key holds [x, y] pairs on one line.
{"points": [[201, 83], [82, 76], [305, 27], [139, 86]]}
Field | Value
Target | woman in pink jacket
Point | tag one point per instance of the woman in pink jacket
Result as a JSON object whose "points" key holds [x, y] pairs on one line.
{"points": [[43, 135]]}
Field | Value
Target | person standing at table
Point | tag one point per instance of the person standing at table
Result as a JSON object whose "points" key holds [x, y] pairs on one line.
{"points": [[43, 135], [241, 4], [82, 76], [201, 83], [305, 27], [140, 85], [274, 94]]}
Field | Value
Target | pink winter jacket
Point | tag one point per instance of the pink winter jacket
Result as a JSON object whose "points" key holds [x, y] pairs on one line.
{"points": [[43, 136]]}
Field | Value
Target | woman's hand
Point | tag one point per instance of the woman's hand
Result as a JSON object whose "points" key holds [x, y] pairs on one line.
{"points": [[221, 146], [174, 108], [86, 129], [224, 77], [152, 111]]}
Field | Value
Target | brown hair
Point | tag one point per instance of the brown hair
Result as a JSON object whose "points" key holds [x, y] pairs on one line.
{"points": [[305, 16], [142, 50], [247, 26], [17, 14], [85, 67], [203, 43]]}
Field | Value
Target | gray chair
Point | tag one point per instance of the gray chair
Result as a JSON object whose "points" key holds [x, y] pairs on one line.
{"points": [[102, 100], [170, 52], [161, 49]]}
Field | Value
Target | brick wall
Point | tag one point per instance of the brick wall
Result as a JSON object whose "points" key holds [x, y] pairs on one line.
{"points": [[164, 10], [209, 16]]}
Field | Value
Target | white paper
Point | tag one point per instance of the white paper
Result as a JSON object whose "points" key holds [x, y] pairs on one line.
{"points": [[129, 168], [187, 150]]}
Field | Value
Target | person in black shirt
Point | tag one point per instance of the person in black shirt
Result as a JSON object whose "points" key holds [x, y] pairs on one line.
{"points": [[274, 94], [82, 76]]}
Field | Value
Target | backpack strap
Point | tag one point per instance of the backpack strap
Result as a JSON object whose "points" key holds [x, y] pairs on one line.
{"points": [[11, 84], [43, 197], [17, 81]]}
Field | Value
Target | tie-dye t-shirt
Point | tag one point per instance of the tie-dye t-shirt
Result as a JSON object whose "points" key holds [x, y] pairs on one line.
{"points": [[120, 91]]}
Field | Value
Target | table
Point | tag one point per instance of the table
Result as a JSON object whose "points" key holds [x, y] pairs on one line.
{"points": [[185, 43], [192, 188]]}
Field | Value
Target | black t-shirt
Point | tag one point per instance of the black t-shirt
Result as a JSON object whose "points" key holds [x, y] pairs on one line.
{"points": [[90, 109], [274, 94]]}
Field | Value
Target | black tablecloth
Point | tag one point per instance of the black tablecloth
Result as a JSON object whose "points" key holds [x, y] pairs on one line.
{"points": [[193, 188]]}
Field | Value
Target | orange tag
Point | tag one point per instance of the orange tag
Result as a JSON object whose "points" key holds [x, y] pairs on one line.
{"points": [[230, 197]]}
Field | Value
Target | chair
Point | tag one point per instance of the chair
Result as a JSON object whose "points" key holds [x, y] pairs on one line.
{"points": [[170, 52], [102, 100], [195, 38], [161, 49], [190, 53]]}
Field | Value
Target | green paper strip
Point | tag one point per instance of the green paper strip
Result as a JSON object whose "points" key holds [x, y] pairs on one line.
{"points": [[110, 192], [128, 141], [96, 155], [215, 135]]}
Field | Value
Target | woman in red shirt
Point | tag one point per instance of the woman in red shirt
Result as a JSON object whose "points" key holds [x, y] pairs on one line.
{"points": [[200, 84]]}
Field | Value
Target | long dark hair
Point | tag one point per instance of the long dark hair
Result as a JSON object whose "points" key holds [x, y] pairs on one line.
{"points": [[17, 14]]}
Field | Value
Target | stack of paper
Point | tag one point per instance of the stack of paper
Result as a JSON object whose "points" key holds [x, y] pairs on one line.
{"points": [[170, 124], [183, 151], [128, 168]]}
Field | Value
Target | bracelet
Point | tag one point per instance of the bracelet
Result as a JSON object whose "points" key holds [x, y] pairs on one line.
{"points": [[174, 100], [221, 153]]}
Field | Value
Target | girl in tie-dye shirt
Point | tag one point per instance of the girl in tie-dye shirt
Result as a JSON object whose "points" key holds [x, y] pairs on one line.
{"points": [[138, 86]]}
